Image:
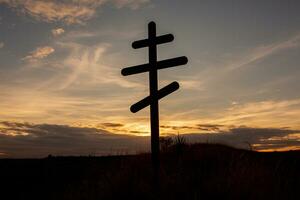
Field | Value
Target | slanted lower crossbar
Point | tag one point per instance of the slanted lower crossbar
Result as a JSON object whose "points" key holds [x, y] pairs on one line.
{"points": [[165, 91]]}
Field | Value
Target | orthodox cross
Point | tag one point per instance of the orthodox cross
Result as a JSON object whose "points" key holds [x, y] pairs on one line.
{"points": [[155, 95]]}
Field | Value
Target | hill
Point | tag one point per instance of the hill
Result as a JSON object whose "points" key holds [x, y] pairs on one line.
{"points": [[198, 171]]}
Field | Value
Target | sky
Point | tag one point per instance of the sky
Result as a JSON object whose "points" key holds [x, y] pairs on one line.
{"points": [[62, 92]]}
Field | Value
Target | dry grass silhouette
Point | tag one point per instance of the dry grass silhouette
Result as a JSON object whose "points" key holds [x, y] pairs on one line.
{"points": [[198, 171]]}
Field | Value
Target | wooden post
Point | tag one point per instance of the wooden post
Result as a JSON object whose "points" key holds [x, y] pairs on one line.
{"points": [[153, 87]]}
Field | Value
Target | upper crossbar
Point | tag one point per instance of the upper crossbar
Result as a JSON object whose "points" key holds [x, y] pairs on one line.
{"points": [[158, 40]]}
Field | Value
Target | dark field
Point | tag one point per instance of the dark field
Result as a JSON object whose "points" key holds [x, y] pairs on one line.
{"points": [[200, 171]]}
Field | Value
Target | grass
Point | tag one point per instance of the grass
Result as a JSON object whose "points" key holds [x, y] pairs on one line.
{"points": [[198, 171]]}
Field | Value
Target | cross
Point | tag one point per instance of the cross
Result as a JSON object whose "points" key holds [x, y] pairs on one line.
{"points": [[155, 95]]}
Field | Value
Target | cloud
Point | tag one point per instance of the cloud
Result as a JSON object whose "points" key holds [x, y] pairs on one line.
{"points": [[176, 127], [21, 139], [192, 128], [67, 107], [216, 71], [278, 113], [261, 139], [108, 124], [57, 31], [39, 140], [259, 114], [39, 53], [133, 4], [234, 103], [51, 11], [87, 63], [69, 12], [210, 127], [97, 35], [138, 132], [263, 51], [1, 45]]}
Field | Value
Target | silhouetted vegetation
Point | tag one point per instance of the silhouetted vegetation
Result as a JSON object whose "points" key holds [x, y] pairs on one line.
{"points": [[198, 171]]}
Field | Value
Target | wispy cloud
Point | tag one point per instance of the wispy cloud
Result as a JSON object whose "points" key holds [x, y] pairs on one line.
{"points": [[83, 85], [259, 114], [109, 124], [87, 62], [39, 53], [133, 4], [46, 106], [221, 70], [70, 12], [263, 51], [278, 113], [128, 34], [57, 31]]}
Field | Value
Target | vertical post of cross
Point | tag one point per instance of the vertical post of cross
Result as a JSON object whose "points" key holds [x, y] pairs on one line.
{"points": [[153, 87]]}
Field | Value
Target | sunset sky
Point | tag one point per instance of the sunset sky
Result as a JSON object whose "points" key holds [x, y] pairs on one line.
{"points": [[61, 90]]}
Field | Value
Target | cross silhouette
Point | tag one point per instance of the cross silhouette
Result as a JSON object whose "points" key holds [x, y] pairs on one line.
{"points": [[155, 94]]}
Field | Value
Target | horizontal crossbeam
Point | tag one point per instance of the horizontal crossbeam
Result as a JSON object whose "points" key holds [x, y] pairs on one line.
{"points": [[160, 65], [172, 87], [158, 40]]}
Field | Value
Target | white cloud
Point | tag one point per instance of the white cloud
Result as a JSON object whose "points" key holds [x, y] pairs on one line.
{"points": [[116, 33], [57, 31], [234, 103], [39, 53], [1, 45], [87, 63], [70, 12]]}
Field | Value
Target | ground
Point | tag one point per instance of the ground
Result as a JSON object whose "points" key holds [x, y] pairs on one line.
{"points": [[198, 171]]}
